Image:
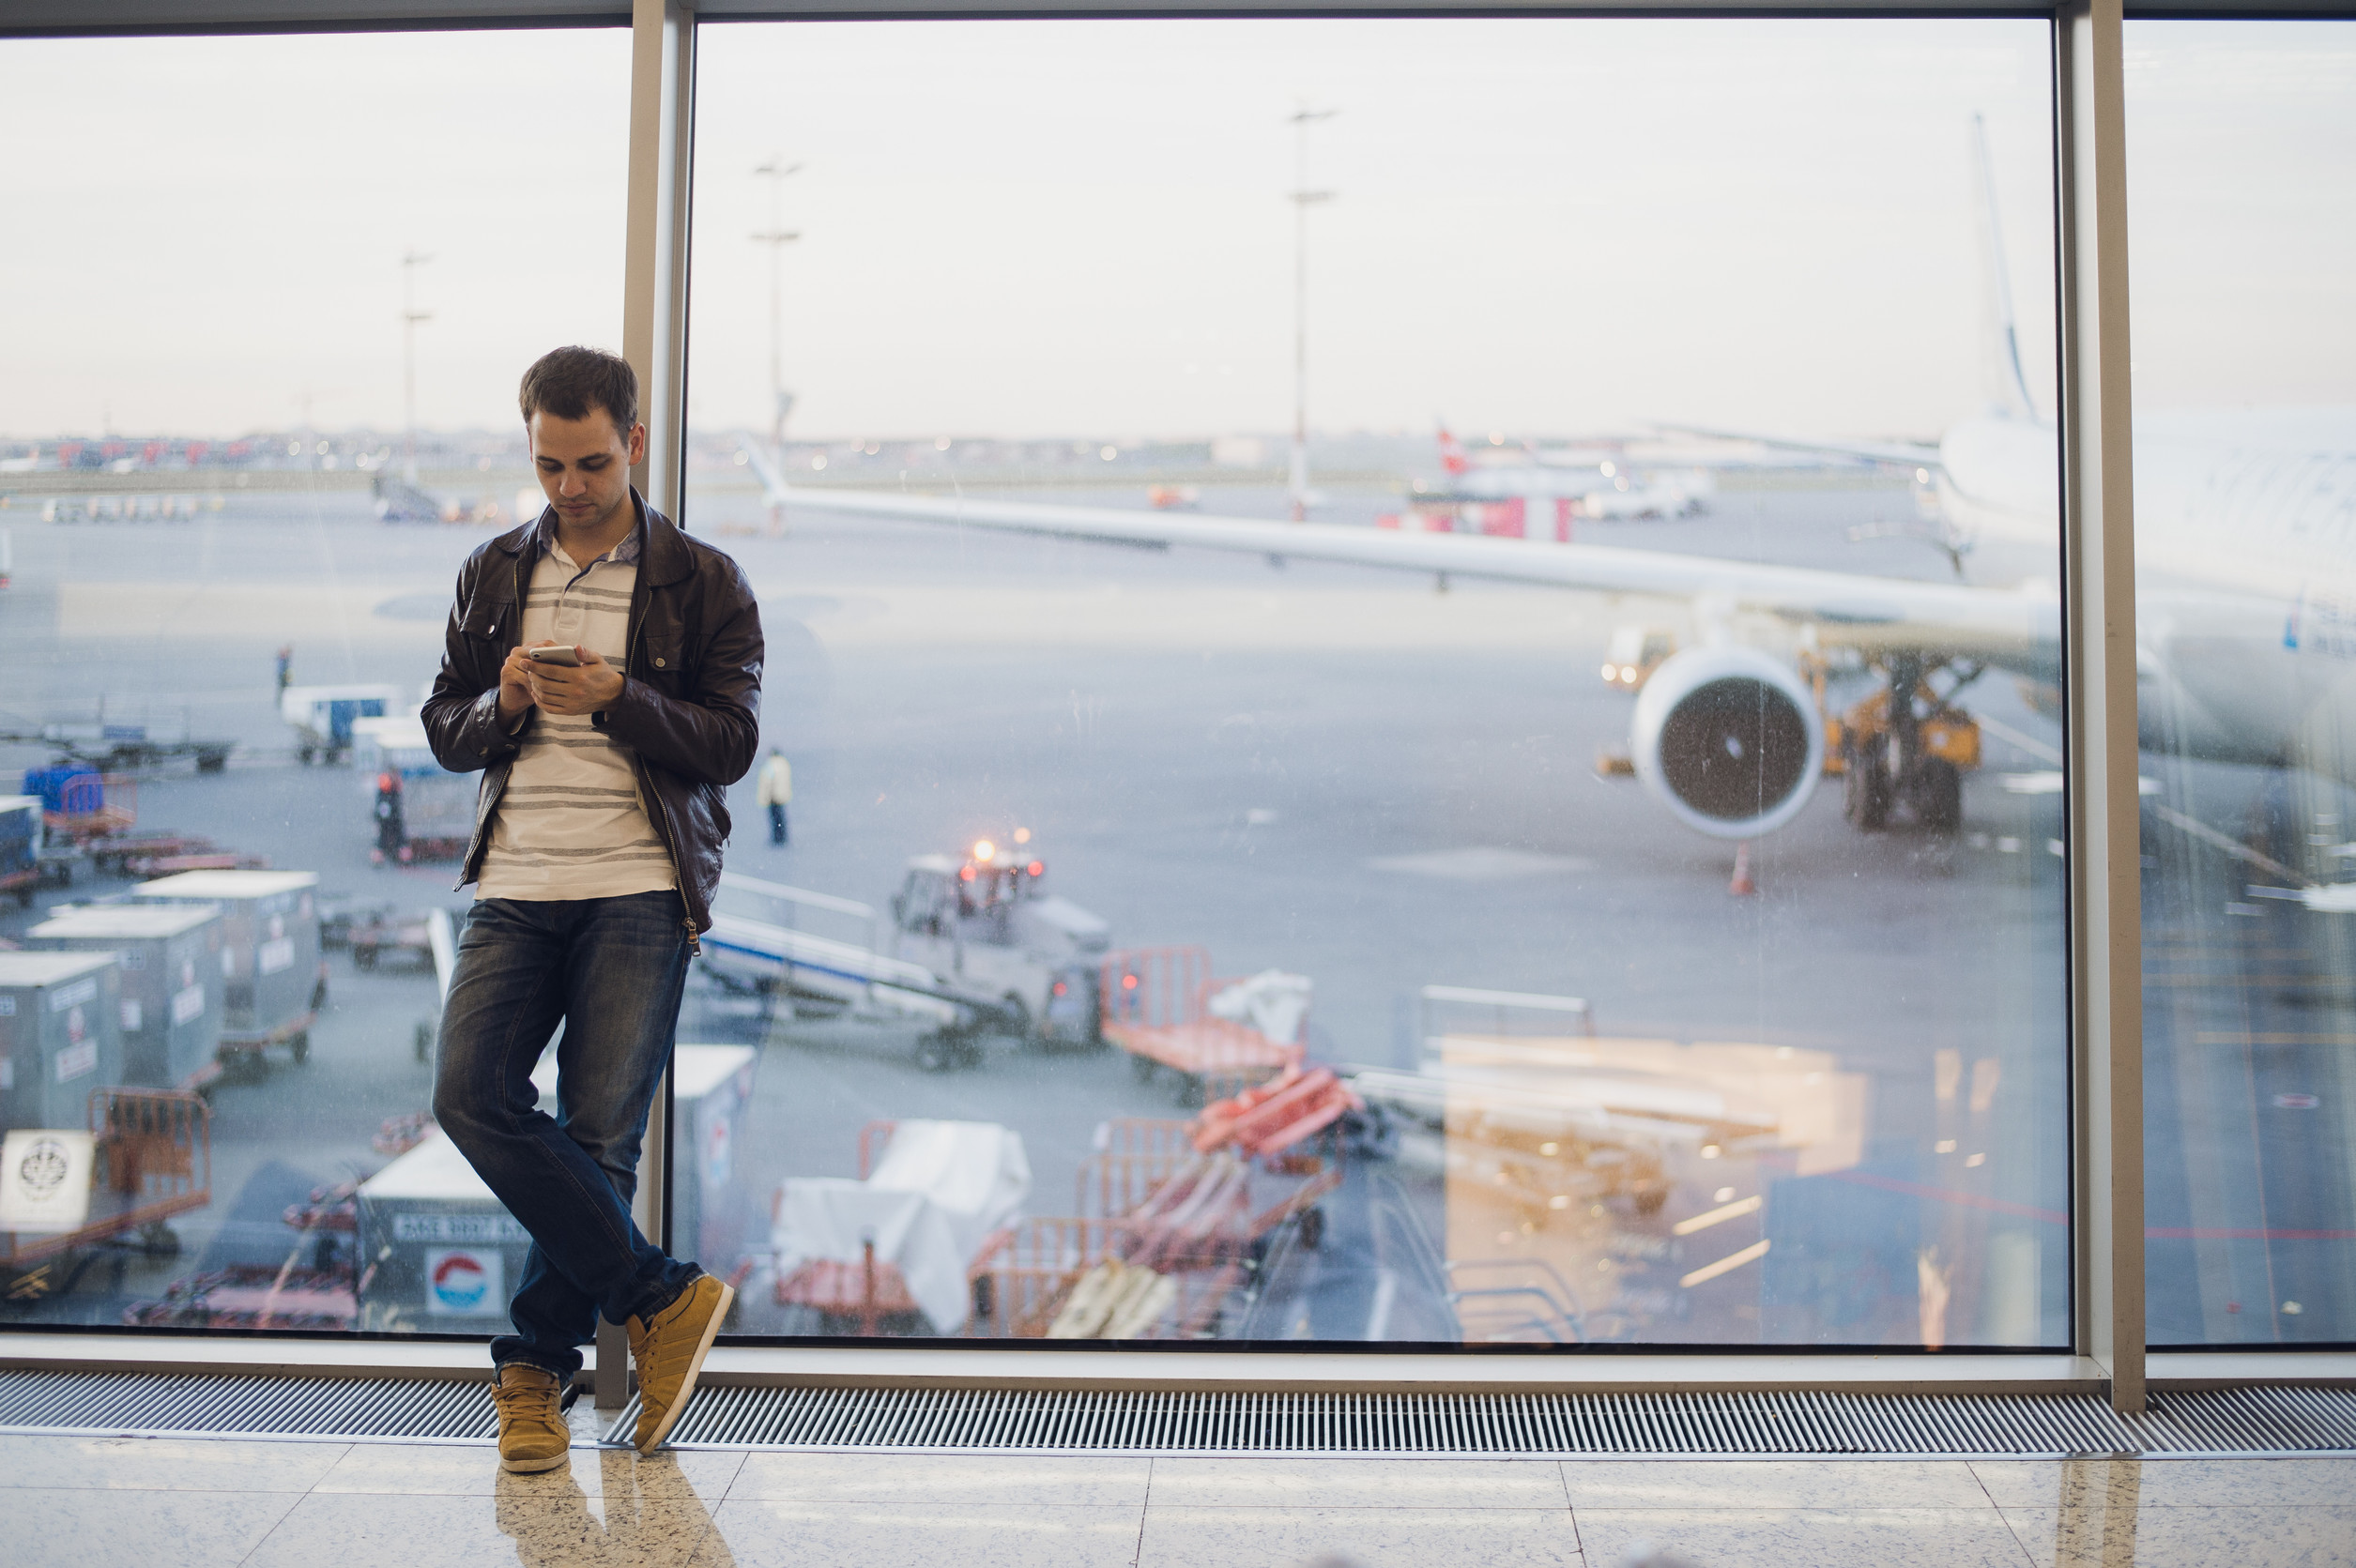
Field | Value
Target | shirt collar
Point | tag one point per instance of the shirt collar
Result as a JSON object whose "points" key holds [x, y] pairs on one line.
{"points": [[624, 554]]}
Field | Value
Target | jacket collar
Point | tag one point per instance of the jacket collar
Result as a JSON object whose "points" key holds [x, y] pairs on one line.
{"points": [[662, 553]]}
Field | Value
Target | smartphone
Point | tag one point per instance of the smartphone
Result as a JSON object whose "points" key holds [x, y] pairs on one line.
{"points": [[560, 653]]}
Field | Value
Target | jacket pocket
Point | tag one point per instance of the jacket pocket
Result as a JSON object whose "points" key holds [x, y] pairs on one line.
{"points": [[666, 661], [491, 618]]}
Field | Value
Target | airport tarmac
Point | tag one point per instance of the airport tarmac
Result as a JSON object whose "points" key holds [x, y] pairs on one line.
{"points": [[1334, 771]]}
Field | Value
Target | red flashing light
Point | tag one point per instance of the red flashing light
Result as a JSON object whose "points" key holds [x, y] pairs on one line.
{"points": [[965, 874], [386, 783], [1128, 982], [1061, 988], [1036, 868]]}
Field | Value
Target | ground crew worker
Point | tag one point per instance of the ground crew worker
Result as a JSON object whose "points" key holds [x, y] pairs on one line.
{"points": [[776, 792], [392, 832], [605, 769], [285, 666]]}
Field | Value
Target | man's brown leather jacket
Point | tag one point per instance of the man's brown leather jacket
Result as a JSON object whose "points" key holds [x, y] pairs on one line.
{"points": [[690, 704]]}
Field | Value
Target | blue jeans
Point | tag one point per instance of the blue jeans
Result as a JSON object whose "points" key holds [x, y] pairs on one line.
{"points": [[612, 969]]}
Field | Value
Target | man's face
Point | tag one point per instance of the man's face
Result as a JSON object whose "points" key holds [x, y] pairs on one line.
{"points": [[584, 464]]}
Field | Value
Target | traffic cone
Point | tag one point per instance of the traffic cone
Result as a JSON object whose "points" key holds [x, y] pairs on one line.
{"points": [[1742, 887]]}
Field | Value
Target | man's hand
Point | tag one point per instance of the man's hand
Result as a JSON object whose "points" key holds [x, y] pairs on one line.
{"points": [[593, 688], [516, 692]]}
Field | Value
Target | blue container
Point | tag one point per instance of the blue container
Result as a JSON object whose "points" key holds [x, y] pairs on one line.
{"points": [[73, 789]]}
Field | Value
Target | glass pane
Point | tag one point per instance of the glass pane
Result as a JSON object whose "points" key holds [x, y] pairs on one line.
{"points": [[2241, 160], [1608, 1027], [228, 567]]}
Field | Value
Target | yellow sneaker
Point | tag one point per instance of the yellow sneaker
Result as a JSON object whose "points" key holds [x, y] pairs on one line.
{"points": [[669, 1353], [532, 1433]]}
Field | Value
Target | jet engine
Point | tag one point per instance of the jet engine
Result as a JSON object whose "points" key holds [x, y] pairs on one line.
{"points": [[1728, 740]]}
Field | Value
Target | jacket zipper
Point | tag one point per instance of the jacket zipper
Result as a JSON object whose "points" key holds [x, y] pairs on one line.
{"points": [[484, 808], [659, 816]]}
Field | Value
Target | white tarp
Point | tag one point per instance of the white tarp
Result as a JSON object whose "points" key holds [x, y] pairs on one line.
{"points": [[1271, 1001], [940, 1189]]}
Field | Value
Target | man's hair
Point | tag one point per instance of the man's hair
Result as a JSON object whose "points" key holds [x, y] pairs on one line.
{"points": [[569, 382]]}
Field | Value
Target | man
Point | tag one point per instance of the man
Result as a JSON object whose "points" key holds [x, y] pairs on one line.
{"points": [[596, 852], [775, 790]]}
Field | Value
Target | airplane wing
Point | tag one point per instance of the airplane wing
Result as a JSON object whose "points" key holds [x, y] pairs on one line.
{"points": [[1902, 454], [2015, 628]]}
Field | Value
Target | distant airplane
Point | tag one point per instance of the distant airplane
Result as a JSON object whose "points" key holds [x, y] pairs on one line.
{"points": [[1599, 488], [2245, 556]]}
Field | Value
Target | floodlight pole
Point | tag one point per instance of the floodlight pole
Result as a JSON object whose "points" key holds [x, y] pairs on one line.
{"points": [[410, 316], [776, 237], [1303, 199]]}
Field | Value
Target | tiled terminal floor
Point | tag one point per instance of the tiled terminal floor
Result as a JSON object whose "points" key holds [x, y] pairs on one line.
{"points": [[94, 1502]]}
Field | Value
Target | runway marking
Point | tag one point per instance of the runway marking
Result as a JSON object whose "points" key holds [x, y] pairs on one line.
{"points": [[1948, 1194], [1734, 1211], [1480, 864], [2232, 1039], [1725, 1265]]}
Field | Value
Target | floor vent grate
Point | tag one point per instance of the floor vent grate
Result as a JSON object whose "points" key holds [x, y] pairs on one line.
{"points": [[1012, 1420], [1144, 1422], [163, 1404]]}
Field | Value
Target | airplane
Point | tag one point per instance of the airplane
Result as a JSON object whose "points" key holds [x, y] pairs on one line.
{"points": [[2246, 555], [1606, 488]]}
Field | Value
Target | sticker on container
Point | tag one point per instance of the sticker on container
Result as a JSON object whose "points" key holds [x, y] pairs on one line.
{"points": [[716, 1153], [464, 1283], [8, 1007], [187, 1004], [270, 957], [132, 1015], [45, 1179], [481, 1229], [74, 1061], [75, 994], [229, 963], [132, 959]]}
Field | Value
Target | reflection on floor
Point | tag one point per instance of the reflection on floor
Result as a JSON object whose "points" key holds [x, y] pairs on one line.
{"points": [[199, 1504]]}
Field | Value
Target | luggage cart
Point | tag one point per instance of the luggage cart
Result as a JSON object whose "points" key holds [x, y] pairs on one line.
{"points": [[155, 1161], [83, 807], [1026, 1288], [1155, 1005]]}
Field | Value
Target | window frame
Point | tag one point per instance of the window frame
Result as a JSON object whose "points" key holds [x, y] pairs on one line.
{"points": [[2103, 914]]}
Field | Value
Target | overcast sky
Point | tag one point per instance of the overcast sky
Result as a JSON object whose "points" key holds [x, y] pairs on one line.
{"points": [[1028, 228]]}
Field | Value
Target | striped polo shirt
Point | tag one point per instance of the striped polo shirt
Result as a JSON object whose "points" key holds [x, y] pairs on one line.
{"points": [[570, 823]]}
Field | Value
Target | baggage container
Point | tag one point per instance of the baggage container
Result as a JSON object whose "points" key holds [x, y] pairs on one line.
{"points": [[272, 978], [171, 980], [20, 846], [60, 1036], [437, 806], [442, 1256], [715, 1218]]}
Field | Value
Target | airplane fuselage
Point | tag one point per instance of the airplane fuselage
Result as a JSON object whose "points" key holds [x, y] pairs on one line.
{"points": [[2245, 569]]}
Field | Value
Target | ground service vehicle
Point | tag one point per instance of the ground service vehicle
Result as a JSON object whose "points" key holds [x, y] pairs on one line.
{"points": [[985, 926]]}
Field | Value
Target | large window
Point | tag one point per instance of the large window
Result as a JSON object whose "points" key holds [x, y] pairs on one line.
{"points": [[2242, 158], [1335, 595], [267, 302]]}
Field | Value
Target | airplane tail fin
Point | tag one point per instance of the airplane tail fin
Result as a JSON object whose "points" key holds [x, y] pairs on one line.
{"points": [[2001, 344], [772, 480], [1452, 456]]}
